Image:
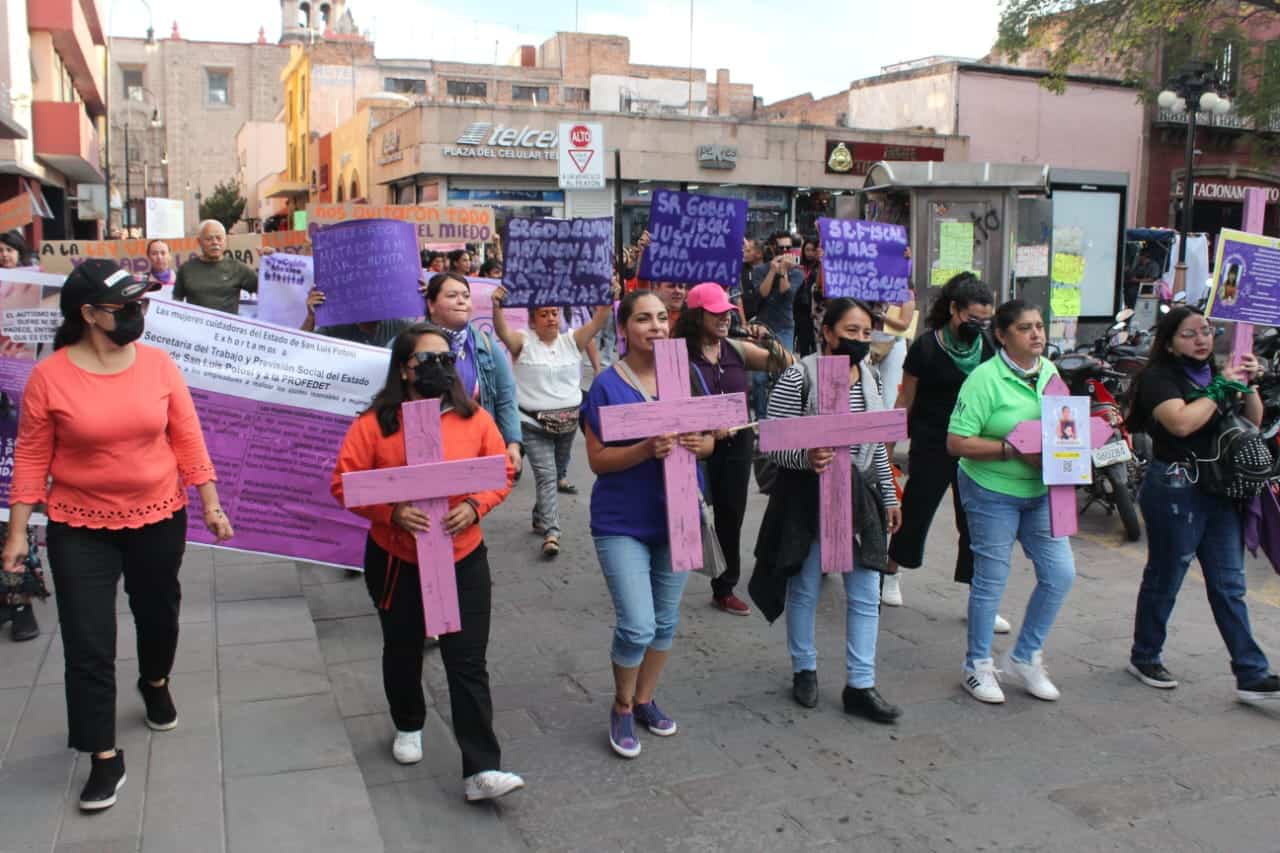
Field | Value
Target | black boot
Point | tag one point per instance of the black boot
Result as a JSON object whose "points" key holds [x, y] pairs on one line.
{"points": [[804, 688], [24, 625], [867, 702], [105, 779], [162, 716]]}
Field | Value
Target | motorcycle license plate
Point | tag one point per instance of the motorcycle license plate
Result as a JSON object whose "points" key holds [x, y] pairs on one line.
{"points": [[1111, 453]]}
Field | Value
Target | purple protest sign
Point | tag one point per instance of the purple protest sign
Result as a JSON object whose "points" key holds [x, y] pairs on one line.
{"points": [[865, 260], [557, 261], [368, 270], [694, 238], [1247, 282]]}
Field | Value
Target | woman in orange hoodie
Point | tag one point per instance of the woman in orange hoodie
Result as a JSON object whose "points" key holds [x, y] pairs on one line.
{"points": [[422, 367]]}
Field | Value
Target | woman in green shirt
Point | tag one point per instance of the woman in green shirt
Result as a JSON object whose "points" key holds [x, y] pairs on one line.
{"points": [[1005, 499]]}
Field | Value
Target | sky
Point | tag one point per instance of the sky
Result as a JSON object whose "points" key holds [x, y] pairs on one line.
{"points": [[783, 53]]}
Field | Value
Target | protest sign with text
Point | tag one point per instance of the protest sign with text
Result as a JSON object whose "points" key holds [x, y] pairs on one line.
{"points": [[29, 312], [368, 270], [283, 284], [694, 238], [1246, 284], [865, 260], [558, 261], [433, 224], [62, 256]]}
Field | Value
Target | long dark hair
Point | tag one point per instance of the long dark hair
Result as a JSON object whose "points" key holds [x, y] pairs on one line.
{"points": [[689, 326], [1161, 355], [395, 391], [71, 330], [964, 290]]}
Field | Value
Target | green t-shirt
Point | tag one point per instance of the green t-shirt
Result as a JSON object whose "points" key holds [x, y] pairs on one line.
{"points": [[215, 285], [994, 400]]}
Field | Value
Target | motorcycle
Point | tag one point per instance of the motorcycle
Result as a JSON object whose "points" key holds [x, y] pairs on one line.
{"points": [[1117, 470]]}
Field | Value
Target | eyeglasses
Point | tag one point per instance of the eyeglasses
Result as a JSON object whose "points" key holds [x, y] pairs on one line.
{"points": [[444, 359], [1192, 334], [126, 308]]}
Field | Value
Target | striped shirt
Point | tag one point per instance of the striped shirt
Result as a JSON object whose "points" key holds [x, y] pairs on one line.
{"points": [[787, 401]]}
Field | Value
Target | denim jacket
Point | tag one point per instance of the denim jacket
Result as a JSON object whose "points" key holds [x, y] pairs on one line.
{"points": [[497, 385]]}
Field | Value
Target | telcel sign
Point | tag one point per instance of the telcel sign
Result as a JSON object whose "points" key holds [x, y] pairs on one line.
{"points": [[494, 141]]}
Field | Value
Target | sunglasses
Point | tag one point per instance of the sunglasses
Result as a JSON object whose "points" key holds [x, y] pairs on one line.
{"points": [[444, 359], [138, 305]]}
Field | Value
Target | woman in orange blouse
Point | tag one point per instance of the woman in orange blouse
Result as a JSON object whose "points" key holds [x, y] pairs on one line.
{"points": [[422, 367], [110, 422]]}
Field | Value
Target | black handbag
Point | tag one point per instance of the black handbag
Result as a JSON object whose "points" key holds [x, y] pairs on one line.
{"points": [[1243, 465]]}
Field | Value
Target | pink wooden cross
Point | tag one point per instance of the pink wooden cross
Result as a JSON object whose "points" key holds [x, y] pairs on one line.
{"points": [[1255, 206], [428, 482], [836, 427], [676, 411], [1026, 438]]}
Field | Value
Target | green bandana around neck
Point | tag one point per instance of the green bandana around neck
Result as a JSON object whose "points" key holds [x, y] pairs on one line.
{"points": [[966, 356]]}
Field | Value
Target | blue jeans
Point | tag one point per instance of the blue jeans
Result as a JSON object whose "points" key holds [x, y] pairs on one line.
{"points": [[760, 381], [861, 620], [996, 521], [1182, 523], [646, 596], [548, 456]]}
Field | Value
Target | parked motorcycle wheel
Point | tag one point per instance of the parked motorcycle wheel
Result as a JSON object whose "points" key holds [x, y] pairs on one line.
{"points": [[1118, 476]]}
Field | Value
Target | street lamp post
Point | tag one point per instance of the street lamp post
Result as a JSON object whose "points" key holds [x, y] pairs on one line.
{"points": [[151, 46], [1191, 91], [154, 123]]}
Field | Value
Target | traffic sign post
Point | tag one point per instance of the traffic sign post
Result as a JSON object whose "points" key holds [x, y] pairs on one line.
{"points": [[581, 156]]}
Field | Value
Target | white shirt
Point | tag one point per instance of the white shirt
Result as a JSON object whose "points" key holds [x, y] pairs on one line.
{"points": [[548, 376]]}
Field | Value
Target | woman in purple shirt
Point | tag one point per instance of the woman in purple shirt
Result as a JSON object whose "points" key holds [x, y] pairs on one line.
{"points": [[629, 526], [720, 366]]}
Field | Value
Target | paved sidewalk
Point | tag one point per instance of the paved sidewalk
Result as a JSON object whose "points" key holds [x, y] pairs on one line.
{"points": [[284, 741]]}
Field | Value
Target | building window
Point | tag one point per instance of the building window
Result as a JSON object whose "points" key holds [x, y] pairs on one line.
{"points": [[132, 78], [404, 85], [355, 186], [577, 95], [466, 89], [534, 94], [219, 87]]}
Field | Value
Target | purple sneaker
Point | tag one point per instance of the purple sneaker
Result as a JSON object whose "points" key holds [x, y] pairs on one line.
{"points": [[622, 734], [649, 714]]}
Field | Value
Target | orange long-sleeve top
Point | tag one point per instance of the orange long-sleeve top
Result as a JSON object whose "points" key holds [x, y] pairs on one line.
{"points": [[120, 448], [366, 448]]}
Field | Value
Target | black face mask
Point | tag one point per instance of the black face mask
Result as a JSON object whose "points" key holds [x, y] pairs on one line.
{"points": [[1192, 363], [970, 330], [129, 325], [433, 379], [856, 350]]}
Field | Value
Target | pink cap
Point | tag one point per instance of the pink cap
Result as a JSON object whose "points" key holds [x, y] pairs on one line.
{"points": [[708, 296]]}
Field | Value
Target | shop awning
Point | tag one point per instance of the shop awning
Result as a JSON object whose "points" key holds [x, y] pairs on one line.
{"points": [[889, 175], [287, 189]]}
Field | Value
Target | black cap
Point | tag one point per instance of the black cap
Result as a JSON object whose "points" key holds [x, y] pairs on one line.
{"points": [[100, 282]]}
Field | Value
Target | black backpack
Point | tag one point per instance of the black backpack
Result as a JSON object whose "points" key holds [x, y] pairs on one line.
{"points": [[1244, 465]]}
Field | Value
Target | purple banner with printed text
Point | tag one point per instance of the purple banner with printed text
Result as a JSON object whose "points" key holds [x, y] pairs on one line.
{"points": [[865, 260], [694, 238]]}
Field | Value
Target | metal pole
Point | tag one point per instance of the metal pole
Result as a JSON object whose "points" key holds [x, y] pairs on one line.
{"points": [[1188, 195], [106, 85], [617, 209], [128, 193]]}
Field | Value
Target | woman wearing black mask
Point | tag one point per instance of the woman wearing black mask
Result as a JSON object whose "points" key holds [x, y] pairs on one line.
{"points": [[423, 367], [936, 366], [109, 441], [792, 518]]}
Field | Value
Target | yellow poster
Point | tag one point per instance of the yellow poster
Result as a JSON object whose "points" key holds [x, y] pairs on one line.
{"points": [[1064, 300], [1068, 269], [955, 245]]}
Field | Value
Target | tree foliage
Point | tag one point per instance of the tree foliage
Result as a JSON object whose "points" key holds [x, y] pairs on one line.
{"points": [[225, 204], [1129, 39]]}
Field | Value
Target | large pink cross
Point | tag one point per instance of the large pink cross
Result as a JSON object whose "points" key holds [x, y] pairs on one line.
{"points": [[836, 427], [1026, 438], [428, 482], [676, 411], [1255, 207]]}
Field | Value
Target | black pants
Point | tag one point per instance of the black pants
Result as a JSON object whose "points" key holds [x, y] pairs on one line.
{"points": [[463, 652], [728, 473], [87, 564], [931, 473]]}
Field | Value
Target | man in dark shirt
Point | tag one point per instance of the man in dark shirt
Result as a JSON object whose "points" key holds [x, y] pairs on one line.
{"points": [[215, 279]]}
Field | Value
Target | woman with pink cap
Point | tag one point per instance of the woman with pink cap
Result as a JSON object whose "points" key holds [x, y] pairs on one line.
{"points": [[720, 366]]}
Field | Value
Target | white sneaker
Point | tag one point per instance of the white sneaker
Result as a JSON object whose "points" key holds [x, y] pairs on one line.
{"points": [[1002, 625], [408, 747], [891, 592], [981, 682], [1032, 676], [491, 784]]}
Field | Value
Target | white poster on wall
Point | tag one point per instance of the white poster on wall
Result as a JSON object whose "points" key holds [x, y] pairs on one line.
{"points": [[165, 218]]}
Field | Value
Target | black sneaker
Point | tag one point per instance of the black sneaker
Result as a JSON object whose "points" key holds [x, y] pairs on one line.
{"points": [[1264, 691], [105, 780], [24, 625], [804, 688], [161, 715], [867, 702], [1152, 675]]}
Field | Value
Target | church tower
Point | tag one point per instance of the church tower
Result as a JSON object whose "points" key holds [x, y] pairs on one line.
{"points": [[307, 21]]}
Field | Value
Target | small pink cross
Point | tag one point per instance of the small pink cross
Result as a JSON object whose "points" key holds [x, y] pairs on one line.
{"points": [[429, 483]]}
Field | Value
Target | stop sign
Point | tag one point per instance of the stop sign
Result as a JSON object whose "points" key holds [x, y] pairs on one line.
{"points": [[580, 136]]}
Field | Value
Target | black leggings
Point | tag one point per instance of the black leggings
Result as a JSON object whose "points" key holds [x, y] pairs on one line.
{"points": [[930, 474], [728, 471], [462, 652], [87, 564]]}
